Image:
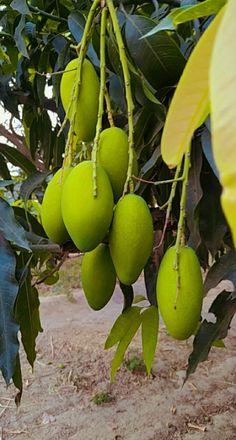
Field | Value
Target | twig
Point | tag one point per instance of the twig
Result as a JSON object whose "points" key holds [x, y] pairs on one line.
{"points": [[5, 408], [198, 427], [158, 182], [38, 11], [101, 96], [52, 347], [55, 269], [109, 110]]}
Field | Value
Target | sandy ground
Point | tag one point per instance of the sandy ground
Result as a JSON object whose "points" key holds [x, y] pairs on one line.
{"points": [[72, 367]]}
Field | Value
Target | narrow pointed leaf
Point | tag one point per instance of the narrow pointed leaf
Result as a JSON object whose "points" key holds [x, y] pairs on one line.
{"points": [[17, 158], [9, 344], [223, 110], [209, 7], [32, 182], [27, 313], [10, 228], [190, 100], [123, 345], [150, 326], [121, 326], [17, 380]]}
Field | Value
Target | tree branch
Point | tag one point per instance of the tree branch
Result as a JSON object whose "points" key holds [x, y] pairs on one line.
{"points": [[16, 140]]}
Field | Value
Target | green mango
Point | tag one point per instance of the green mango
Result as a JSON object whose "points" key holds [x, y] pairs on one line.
{"points": [[87, 218], [113, 155], [131, 237], [181, 313], [51, 208], [98, 277], [87, 105]]}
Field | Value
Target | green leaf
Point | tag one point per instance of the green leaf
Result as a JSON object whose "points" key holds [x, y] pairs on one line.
{"points": [[17, 158], [32, 182], [191, 98], [139, 298], [223, 269], [10, 228], [166, 24], [20, 38], [17, 380], [4, 171], [223, 108], [9, 344], [124, 343], [150, 326], [218, 344], [20, 6], [121, 326], [27, 312], [159, 57], [209, 7], [4, 183], [224, 308]]}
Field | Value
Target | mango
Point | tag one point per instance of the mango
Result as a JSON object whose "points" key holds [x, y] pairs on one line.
{"points": [[131, 237], [87, 218], [113, 155], [180, 312], [86, 106], [51, 208], [98, 277]]}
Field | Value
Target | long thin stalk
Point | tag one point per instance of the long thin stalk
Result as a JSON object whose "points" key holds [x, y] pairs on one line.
{"points": [[180, 231], [128, 93], [101, 96], [76, 87], [109, 110]]}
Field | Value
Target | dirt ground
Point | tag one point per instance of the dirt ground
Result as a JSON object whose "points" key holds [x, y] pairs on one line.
{"points": [[72, 367]]}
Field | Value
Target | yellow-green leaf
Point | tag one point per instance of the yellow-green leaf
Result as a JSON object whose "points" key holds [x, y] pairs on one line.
{"points": [[223, 110], [123, 345], [191, 98], [121, 326], [150, 326], [209, 7]]}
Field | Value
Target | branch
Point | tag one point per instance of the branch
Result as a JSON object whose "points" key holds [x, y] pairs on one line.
{"points": [[16, 140]]}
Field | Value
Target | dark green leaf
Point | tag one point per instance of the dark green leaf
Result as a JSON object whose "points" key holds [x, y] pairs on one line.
{"points": [[76, 23], [20, 38], [222, 269], [27, 312], [150, 276], [23, 218], [150, 326], [9, 344], [10, 228], [224, 308], [32, 182], [17, 380], [158, 57], [4, 183], [17, 158], [128, 293], [4, 171], [20, 6]]}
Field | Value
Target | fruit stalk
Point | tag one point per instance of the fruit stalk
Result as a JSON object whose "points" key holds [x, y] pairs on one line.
{"points": [[75, 91], [180, 231], [128, 93], [109, 110], [101, 96]]}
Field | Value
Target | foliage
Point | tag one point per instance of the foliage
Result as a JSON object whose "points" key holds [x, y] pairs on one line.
{"points": [[37, 40]]}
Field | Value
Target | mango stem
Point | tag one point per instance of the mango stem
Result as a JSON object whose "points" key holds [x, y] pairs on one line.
{"points": [[101, 96], [128, 93], [109, 110]]}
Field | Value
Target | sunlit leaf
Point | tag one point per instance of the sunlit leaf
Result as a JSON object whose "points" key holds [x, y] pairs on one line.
{"points": [[209, 7], [190, 100], [223, 110], [121, 326], [150, 325]]}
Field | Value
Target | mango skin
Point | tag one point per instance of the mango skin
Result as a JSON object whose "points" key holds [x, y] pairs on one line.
{"points": [[51, 215], [87, 219], [98, 277], [131, 237], [113, 155], [87, 104], [181, 322]]}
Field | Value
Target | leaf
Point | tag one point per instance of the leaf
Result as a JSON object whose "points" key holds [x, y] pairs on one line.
{"points": [[10, 228], [9, 344], [166, 24], [19, 37], [150, 277], [27, 312], [17, 158], [32, 182], [223, 269], [159, 57], [139, 298], [124, 343], [191, 98], [121, 326], [223, 108], [17, 380], [150, 326], [4, 183], [76, 23], [20, 6], [224, 308], [208, 7], [207, 150], [4, 171]]}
